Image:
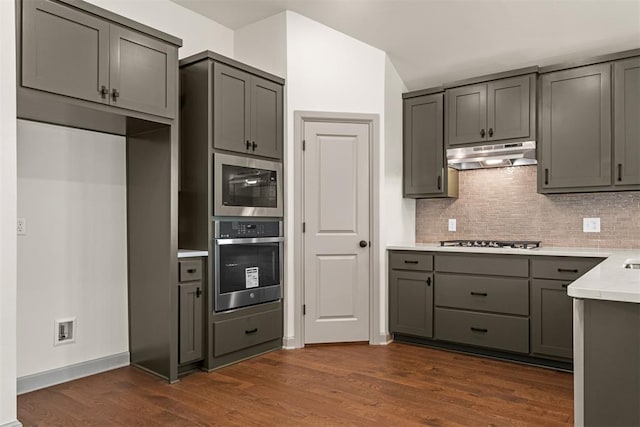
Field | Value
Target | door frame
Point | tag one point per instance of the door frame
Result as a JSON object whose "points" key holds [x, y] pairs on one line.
{"points": [[373, 121]]}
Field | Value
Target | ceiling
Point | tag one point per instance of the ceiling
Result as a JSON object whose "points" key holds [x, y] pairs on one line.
{"points": [[431, 42]]}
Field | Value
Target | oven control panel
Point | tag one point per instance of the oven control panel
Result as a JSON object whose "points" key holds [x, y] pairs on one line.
{"points": [[248, 229]]}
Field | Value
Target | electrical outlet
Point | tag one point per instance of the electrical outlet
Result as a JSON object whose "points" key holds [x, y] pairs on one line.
{"points": [[452, 224], [64, 331], [591, 225], [22, 227]]}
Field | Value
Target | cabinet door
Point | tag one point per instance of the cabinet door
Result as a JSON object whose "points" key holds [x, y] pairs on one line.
{"points": [[423, 146], [231, 109], [64, 51], [143, 73], [467, 114], [576, 128], [411, 303], [627, 122], [266, 118], [508, 108], [551, 318], [190, 321]]}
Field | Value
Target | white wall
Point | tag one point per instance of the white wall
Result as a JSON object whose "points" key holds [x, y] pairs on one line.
{"points": [[327, 71], [263, 44], [7, 213], [73, 260], [397, 215], [197, 32]]}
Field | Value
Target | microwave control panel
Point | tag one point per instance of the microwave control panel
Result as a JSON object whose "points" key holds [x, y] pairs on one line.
{"points": [[248, 229]]}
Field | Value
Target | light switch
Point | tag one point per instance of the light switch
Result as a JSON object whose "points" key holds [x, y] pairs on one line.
{"points": [[591, 225], [452, 224]]}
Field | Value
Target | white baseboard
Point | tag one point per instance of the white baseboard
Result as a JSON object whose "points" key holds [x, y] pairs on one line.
{"points": [[40, 380], [382, 339], [289, 343], [12, 424]]}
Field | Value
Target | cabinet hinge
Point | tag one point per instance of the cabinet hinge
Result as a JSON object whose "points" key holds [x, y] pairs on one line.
{"points": [[304, 227], [304, 309], [304, 144]]}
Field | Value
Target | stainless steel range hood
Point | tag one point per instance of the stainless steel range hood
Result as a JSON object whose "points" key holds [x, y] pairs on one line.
{"points": [[493, 156]]}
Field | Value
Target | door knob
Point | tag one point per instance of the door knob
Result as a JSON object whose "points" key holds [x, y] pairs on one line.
{"points": [[363, 244]]}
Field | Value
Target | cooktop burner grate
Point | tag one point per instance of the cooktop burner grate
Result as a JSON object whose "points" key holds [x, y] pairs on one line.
{"points": [[517, 244]]}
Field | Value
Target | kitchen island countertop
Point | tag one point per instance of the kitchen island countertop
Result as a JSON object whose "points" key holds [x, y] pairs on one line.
{"points": [[608, 281]]}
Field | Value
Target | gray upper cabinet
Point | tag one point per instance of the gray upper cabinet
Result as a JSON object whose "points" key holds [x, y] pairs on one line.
{"points": [[423, 147], [143, 73], [627, 122], [496, 111], [576, 128], [248, 113], [467, 114], [70, 52]]}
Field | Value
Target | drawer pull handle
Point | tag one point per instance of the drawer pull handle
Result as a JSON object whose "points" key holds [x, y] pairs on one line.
{"points": [[251, 331], [567, 270], [198, 293], [191, 270], [564, 285], [410, 262], [483, 330], [480, 294]]}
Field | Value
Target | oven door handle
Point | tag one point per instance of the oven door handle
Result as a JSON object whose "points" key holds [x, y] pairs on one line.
{"points": [[221, 242]]}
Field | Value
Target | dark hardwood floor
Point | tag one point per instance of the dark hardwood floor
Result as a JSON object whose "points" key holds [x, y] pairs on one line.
{"points": [[351, 384]]}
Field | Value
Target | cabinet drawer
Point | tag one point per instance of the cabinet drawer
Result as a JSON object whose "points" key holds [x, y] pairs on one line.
{"points": [[235, 334], [190, 270], [561, 268], [497, 294], [410, 260], [496, 265], [485, 330]]}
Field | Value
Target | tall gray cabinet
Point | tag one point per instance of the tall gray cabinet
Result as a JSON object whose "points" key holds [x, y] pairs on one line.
{"points": [[590, 136], [85, 67], [231, 108]]}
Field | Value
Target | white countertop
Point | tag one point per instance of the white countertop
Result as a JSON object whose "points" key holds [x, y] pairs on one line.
{"points": [[191, 253], [606, 281]]}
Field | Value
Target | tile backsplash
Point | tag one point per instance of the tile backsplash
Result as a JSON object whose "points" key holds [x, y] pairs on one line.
{"points": [[502, 203]]}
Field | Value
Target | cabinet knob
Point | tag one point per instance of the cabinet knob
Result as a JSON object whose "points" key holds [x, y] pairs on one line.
{"points": [[428, 281], [439, 182], [546, 176], [482, 133], [198, 293], [104, 91], [490, 132], [254, 145], [115, 94], [363, 243], [248, 144]]}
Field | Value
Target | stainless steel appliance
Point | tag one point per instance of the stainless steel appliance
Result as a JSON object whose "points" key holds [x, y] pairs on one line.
{"points": [[493, 155], [248, 263], [245, 186], [517, 244]]}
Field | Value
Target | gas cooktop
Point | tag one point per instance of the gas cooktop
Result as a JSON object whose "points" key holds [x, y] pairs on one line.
{"points": [[517, 244]]}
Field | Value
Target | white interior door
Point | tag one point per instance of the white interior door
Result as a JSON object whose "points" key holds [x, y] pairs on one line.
{"points": [[336, 216]]}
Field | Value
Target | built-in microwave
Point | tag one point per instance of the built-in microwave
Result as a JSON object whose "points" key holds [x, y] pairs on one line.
{"points": [[244, 186]]}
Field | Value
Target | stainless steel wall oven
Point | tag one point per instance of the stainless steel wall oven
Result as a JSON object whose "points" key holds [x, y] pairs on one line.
{"points": [[246, 187], [248, 263]]}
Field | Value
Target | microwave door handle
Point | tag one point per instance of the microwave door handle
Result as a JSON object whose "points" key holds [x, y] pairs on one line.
{"points": [[245, 241]]}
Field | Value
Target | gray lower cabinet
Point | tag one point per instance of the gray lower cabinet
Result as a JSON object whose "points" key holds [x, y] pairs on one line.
{"points": [[70, 52], [411, 293], [235, 333], [626, 123], [611, 369], [425, 172], [551, 318], [494, 111], [551, 307], [247, 112], [191, 311]]}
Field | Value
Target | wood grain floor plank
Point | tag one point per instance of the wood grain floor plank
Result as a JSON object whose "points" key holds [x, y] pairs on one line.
{"points": [[330, 385]]}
